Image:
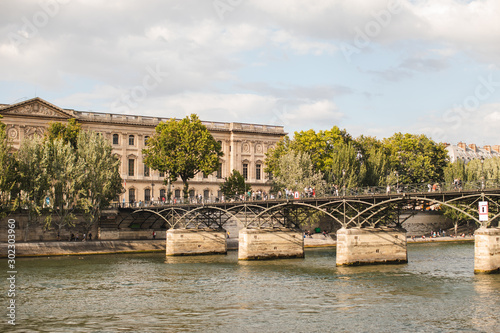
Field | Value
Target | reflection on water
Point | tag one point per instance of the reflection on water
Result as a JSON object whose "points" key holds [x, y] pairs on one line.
{"points": [[435, 292]]}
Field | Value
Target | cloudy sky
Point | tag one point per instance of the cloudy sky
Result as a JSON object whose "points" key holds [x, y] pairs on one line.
{"points": [[373, 67]]}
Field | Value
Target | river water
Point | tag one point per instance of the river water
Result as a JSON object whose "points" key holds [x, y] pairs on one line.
{"points": [[435, 292]]}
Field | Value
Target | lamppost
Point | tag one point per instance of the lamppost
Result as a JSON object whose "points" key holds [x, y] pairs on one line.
{"points": [[397, 181], [343, 182], [482, 173]]}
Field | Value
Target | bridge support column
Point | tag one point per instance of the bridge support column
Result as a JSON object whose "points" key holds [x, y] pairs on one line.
{"points": [[366, 246], [195, 242], [255, 244], [487, 250]]}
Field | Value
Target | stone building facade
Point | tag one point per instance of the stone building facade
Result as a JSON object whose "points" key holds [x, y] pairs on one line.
{"points": [[244, 147], [467, 153]]}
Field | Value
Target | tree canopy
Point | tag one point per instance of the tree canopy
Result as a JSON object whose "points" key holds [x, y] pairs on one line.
{"points": [[67, 132], [182, 149], [234, 185]]}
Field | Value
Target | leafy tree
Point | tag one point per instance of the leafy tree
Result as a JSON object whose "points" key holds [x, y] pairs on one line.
{"points": [[101, 181], [273, 155], [234, 185], [376, 159], [65, 176], [455, 170], [66, 132], [7, 174], [182, 149], [321, 145], [296, 171], [33, 180], [416, 158], [347, 170], [487, 169]]}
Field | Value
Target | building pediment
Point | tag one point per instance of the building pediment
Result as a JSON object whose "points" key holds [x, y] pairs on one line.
{"points": [[36, 107]]}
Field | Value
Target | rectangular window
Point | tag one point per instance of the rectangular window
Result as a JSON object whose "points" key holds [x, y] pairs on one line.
{"points": [[146, 171], [219, 171], [270, 176], [257, 171], [131, 195], [162, 174], [245, 171], [115, 139], [147, 195], [131, 163], [131, 140]]}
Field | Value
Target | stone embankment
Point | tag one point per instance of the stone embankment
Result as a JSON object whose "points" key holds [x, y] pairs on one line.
{"points": [[34, 249]]}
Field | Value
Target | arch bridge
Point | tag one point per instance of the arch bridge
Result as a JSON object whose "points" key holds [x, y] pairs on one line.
{"points": [[350, 211]]}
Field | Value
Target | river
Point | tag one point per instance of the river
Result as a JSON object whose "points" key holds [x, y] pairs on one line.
{"points": [[435, 292]]}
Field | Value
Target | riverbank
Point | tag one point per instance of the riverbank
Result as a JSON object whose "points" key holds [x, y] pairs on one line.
{"points": [[44, 249]]}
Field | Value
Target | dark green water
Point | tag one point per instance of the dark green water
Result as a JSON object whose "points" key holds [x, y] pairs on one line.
{"points": [[436, 292]]}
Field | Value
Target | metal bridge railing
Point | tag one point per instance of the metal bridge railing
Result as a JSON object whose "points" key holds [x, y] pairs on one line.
{"points": [[331, 191]]}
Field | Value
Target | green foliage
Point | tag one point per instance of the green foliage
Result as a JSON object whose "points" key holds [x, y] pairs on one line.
{"points": [[7, 174], [182, 149], [101, 182], [488, 169], [234, 185], [65, 175], [33, 179], [295, 171], [455, 170], [320, 146], [68, 133], [346, 169], [416, 158]]}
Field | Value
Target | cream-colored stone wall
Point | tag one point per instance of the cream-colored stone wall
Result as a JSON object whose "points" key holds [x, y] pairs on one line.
{"points": [[363, 246], [487, 250], [195, 241], [241, 143], [257, 244]]}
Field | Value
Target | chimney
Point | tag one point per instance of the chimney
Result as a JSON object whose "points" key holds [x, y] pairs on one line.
{"points": [[473, 147], [462, 145], [487, 148], [496, 148]]}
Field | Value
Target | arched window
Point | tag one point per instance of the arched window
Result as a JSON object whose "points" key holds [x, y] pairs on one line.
{"points": [[131, 195], [147, 195], [163, 197]]}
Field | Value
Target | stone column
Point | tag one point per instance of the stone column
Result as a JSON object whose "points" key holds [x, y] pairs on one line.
{"points": [[366, 246], [195, 242], [487, 250], [255, 244]]}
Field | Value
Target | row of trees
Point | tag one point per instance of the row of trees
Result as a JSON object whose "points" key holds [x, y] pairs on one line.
{"points": [[66, 170], [334, 157]]}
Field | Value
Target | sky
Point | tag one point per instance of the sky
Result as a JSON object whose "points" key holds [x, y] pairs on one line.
{"points": [[373, 67]]}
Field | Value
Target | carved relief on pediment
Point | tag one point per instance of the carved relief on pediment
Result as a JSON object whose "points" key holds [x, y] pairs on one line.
{"points": [[36, 109], [30, 131]]}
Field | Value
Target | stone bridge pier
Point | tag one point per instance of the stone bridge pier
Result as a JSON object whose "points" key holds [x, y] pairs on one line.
{"points": [[365, 246], [487, 250], [195, 242], [270, 243]]}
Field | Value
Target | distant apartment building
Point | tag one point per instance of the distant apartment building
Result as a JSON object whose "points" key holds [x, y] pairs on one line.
{"points": [[467, 153], [244, 147]]}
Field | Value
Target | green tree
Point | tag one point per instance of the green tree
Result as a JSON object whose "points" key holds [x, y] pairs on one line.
{"points": [[296, 171], [347, 169], [416, 158], [33, 180], [101, 181], [321, 146], [65, 176], [182, 149], [376, 159], [7, 174], [67, 132], [455, 170], [234, 185]]}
